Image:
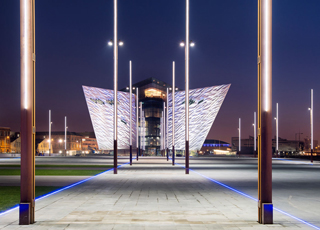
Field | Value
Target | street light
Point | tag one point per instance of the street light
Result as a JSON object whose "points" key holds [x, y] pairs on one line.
{"points": [[277, 131], [239, 129], [120, 43], [311, 126], [255, 133]]}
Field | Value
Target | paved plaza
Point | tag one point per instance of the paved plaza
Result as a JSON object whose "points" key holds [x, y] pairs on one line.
{"points": [[153, 194]]}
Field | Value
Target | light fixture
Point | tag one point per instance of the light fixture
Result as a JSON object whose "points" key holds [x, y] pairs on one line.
{"points": [[182, 43], [110, 43], [192, 44], [120, 43]]}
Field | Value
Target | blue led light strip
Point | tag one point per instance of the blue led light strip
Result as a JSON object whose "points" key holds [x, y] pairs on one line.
{"points": [[252, 198], [60, 190], [9, 158]]}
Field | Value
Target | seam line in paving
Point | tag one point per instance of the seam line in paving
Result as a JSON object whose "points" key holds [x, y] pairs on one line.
{"points": [[250, 197]]}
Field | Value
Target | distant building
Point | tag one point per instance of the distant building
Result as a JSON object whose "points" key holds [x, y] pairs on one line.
{"points": [[286, 147], [5, 140], [204, 104], [74, 143], [89, 145], [216, 147], [15, 142]]}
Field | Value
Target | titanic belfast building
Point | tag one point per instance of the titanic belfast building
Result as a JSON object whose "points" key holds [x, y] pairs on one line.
{"points": [[152, 126]]}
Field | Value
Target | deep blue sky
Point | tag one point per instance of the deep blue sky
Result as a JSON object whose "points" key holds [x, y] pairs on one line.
{"points": [[71, 37]]}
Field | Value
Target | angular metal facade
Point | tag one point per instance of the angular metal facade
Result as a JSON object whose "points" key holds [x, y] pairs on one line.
{"points": [[204, 105], [100, 105]]}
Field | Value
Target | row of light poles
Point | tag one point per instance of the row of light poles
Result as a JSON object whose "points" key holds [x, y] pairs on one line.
{"points": [[65, 133], [276, 118], [115, 43], [27, 47]]}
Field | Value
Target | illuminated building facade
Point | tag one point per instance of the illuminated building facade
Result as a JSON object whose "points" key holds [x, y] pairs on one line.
{"points": [[204, 106], [5, 140]]}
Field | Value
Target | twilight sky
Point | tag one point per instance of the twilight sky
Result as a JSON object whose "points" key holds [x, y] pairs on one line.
{"points": [[71, 49]]}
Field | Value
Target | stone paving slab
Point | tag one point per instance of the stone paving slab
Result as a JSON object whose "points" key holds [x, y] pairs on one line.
{"points": [[160, 196]]}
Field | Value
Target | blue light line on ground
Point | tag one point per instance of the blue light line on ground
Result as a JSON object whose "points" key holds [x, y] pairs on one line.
{"points": [[9, 158], [60, 190], [300, 162], [252, 198]]}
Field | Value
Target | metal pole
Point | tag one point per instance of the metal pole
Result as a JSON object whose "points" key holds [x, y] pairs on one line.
{"points": [[27, 49], [115, 81], [137, 122], [265, 206], [65, 134], [277, 131], [50, 131], [173, 112], [311, 123], [187, 46], [140, 128], [255, 134], [130, 99], [167, 122], [239, 136], [164, 128]]}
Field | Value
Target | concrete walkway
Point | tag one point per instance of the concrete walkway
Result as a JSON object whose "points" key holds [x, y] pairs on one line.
{"points": [[151, 194]]}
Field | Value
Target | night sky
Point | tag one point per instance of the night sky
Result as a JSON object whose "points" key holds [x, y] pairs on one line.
{"points": [[71, 49]]}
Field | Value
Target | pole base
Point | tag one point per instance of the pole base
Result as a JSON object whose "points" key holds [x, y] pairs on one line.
{"points": [[187, 157], [130, 154], [173, 155], [115, 157], [267, 213], [25, 214]]}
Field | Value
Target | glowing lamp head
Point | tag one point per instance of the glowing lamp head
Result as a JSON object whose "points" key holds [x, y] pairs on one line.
{"points": [[309, 109], [182, 43], [192, 44], [110, 43], [120, 43]]}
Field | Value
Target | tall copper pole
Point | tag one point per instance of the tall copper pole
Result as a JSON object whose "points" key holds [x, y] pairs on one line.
{"points": [[137, 121], [265, 207], [130, 104], [167, 124], [27, 47], [115, 81], [173, 112], [187, 46]]}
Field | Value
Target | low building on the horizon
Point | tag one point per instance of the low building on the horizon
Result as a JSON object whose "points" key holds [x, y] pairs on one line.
{"points": [[286, 147], [74, 143], [5, 140], [215, 147], [15, 142]]}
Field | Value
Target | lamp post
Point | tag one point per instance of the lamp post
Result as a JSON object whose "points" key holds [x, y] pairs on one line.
{"points": [[28, 122], [65, 135], [277, 131], [115, 45], [167, 123], [187, 45], [173, 108], [130, 104], [137, 122], [311, 127], [265, 206], [50, 123], [239, 129], [141, 133], [255, 134]]}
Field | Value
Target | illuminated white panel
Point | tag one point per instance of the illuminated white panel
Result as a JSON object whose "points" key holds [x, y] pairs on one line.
{"points": [[101, 106], [204, 105]]}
